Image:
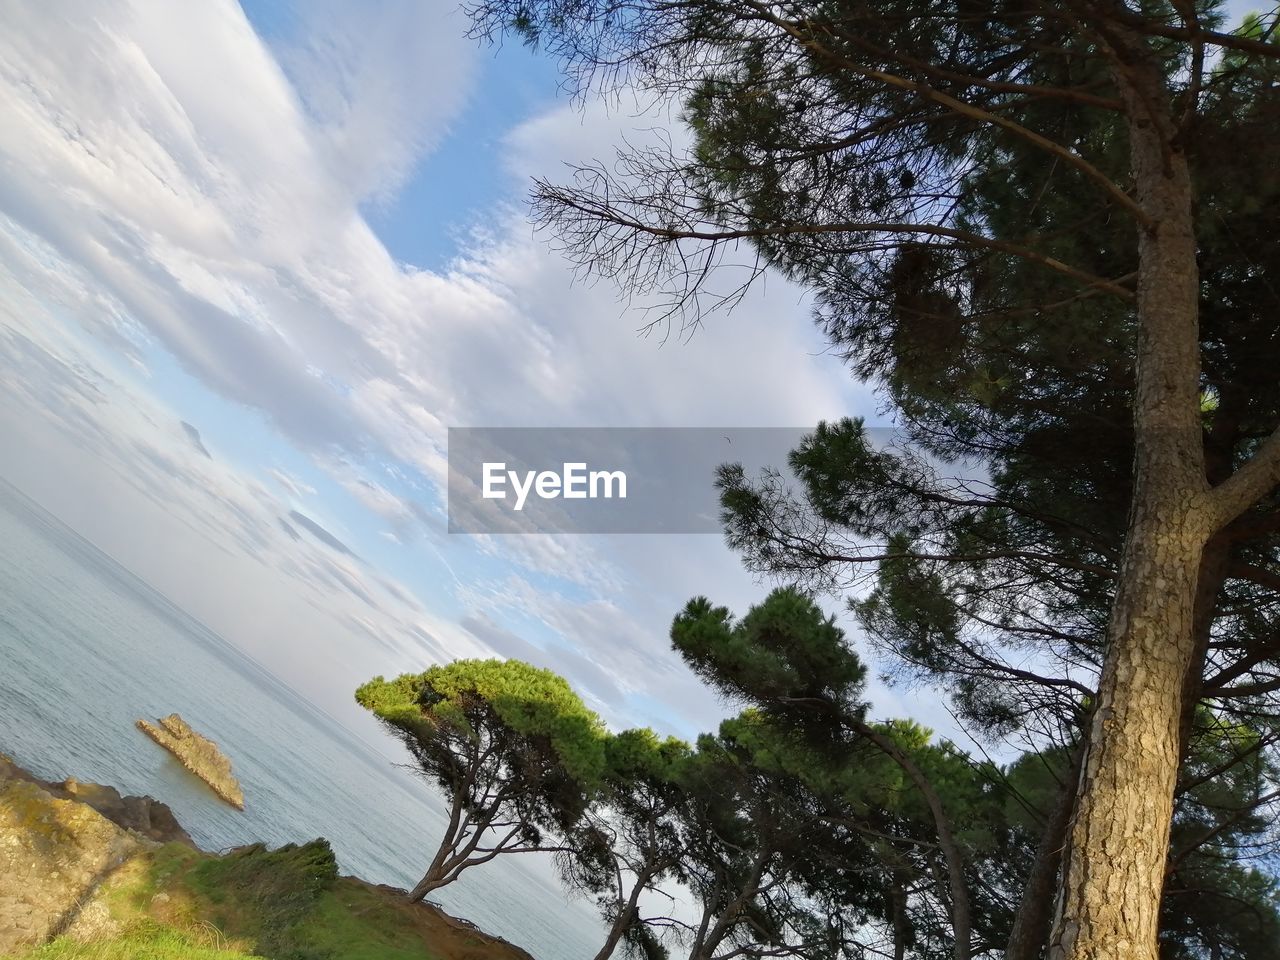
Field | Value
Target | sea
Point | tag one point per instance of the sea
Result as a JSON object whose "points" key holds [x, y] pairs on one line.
{"points": [[86, 648]]}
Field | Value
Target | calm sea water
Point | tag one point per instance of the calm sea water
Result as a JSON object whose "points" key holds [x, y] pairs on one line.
{"points": [[86, 648]]}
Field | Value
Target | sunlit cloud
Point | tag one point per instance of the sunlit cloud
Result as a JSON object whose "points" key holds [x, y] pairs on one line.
{"points": [[178, 193]]}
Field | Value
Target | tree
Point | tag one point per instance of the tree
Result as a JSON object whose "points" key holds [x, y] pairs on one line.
{"points": [[516, 753], [1219, 899], [832, 136], [789, 660], [876, 864], [1217, 902], [755, 856], [629, 843], [998, 588], [787, 830]]}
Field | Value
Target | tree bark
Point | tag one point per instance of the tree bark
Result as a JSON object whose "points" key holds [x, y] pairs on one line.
{"points": [[1114, 868], [625, 918], [1031, 924], [708, 940], [901, 927], [697, 949], [1209, 581], [431, 881]]}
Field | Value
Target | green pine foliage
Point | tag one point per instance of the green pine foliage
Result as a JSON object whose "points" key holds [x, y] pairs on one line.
{"points": [[515, 751]]}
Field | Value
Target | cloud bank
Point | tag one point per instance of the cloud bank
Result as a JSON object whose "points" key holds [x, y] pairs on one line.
{"points": [[189, 257]]}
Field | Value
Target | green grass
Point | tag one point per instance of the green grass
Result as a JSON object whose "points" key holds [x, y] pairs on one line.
{"points": [[355, 923], [176, 903], [269, 895], [145, 943]]}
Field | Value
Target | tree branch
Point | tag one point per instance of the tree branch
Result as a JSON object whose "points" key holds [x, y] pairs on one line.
{"points": [[962, 108], [1253, 481], [603, 210]]}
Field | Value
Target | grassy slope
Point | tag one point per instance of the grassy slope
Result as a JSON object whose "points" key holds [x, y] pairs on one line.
{"points": [[143, 944], [179, 904]]}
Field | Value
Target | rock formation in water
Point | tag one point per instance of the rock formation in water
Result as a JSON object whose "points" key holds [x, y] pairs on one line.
{"points": [[198, 754]]}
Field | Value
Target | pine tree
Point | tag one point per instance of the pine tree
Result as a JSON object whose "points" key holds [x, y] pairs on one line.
{"points": [[516, 753], [839, 139]]}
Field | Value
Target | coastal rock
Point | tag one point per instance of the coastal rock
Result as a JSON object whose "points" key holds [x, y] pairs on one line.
{"points": [[143, 815], [70, 870], [55, 855], [198, 754]]}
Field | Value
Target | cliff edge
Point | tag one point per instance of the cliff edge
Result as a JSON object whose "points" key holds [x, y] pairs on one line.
{"points": [[59, 844], [87, 872], [145, 816]]}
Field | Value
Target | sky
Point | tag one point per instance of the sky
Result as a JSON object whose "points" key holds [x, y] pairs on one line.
{"points": [[256, 259]]}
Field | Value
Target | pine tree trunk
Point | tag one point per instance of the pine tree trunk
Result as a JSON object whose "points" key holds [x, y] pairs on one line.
{"points": [[432, 881], [1115, 869], [1113, 874], [901, 927], [625, 918], [1030, 933], [699, 949], [1213, 574], [961, 926]]}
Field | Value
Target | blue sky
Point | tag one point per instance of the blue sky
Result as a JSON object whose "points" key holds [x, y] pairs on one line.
{"points": [[298, 232], [256, 260], [422, 222]]}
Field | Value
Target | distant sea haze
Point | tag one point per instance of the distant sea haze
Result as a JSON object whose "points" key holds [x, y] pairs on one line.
{"points": [[86, 648]]}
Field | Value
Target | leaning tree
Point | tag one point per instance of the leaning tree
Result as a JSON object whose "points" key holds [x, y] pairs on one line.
{"points": [[838, 140], [515, 751], [788, 660], [628, 847]]}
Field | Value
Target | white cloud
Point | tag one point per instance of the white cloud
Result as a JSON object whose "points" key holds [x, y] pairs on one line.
{"points": [[119, 466], [375, 122], [171, 182]]}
